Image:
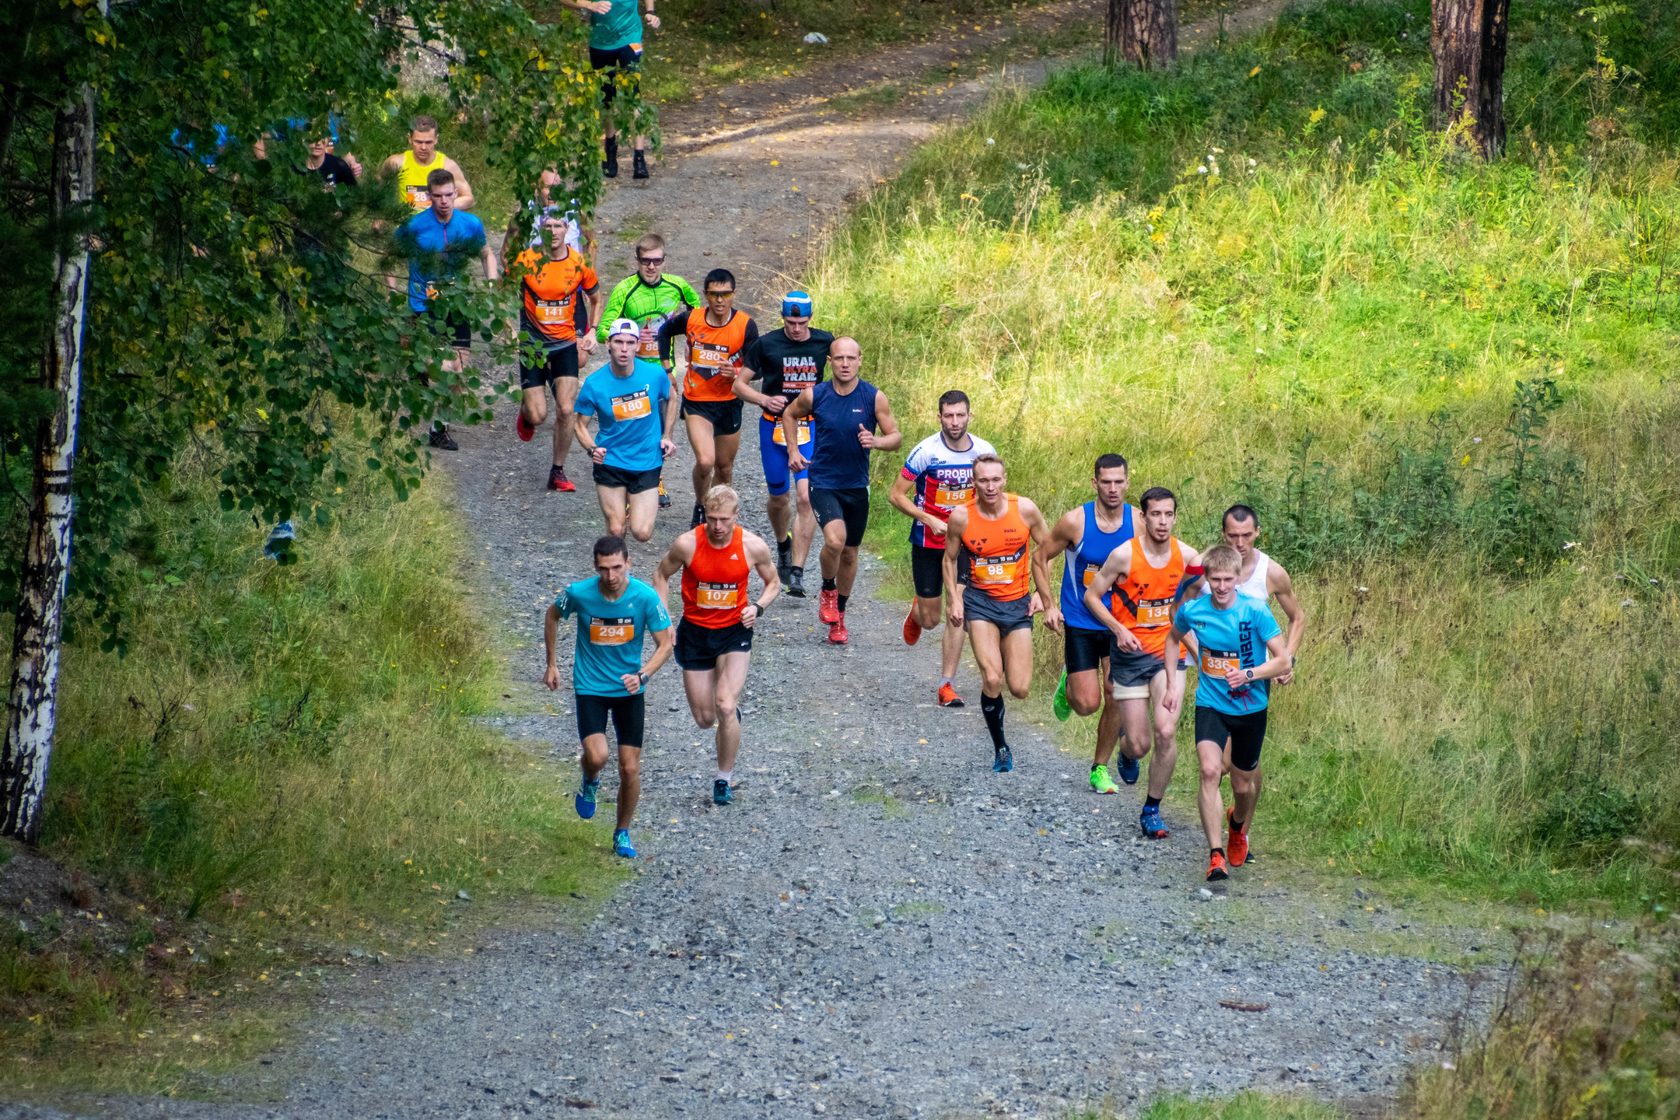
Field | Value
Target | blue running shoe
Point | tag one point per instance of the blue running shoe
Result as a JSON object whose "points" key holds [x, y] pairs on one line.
{"points": [[585, 799], [1153, 826], [1003, 760], [1128, 769], [721, 793], [622, 845]]}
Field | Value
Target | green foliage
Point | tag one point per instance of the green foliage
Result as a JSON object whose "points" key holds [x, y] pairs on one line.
{"points": [[232, 301], [1447, 387], [1243, 1106], [287, 770]]}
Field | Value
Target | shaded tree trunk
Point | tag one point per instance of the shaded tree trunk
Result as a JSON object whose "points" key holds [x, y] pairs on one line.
{"points": [[32, 707], [1144, 32], [1468, 40]]}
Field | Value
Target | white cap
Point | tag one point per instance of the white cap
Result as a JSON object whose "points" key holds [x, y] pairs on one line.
{"points": [[624, 326]]}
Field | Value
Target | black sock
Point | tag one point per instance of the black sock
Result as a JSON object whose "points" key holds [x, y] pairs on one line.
{"points": [[1236, 825], [798, 571], [843, 599], [992, 708], [785, 545], [828, 584], [1151, 802], [1215, 852]]}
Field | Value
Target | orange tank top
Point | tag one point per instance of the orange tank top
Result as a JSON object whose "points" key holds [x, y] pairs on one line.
{"points": [[995, 551], [714, 354], [714, 583], [1143, 600]]}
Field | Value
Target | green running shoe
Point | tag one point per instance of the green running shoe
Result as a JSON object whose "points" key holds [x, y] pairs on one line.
{"points": [[1058, 702], [1101, 782]]}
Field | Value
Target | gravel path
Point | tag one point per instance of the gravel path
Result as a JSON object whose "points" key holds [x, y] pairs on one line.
{"points": [[879, 926]]}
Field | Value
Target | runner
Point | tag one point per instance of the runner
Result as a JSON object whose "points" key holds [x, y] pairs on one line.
{"points": [[549, 288], [636, 413], [717, 338], [992, 544], [412, 169], [649, 296], [437, 243], [1264, 578], [1146, 575], [615, 45], [845, 414], [1088, 535], [790, 360], [714, 638], [540, 205], [614, 613], [938, 476], [1231, 629]]}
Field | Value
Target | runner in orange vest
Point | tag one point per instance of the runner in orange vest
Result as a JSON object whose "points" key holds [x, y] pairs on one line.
{"points": [[714, 638], [550, 289], [992, 546], [1148, 575]]}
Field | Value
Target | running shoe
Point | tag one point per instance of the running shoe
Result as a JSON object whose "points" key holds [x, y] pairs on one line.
{"points": [[639, 168], [609, 165], [722, 794], [784, 562], [557, 480], [948, 697], [1236, 841], [1101, 782], [523, 426], [1059, 704], [699, 516], [441, 439], [828, 607], [1003, 760], [837, 633], [664, 498], [1154, 828], [796, 583], [1129, 769], [912, 628], [584, 802], [622, 845], [1217, 868]]}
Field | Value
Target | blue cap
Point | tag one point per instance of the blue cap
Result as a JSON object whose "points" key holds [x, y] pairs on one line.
{"points": [[796, 303]]}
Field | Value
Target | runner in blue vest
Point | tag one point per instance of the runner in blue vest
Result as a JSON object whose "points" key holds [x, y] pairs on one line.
{"points": [[845, 413], [1088, 534]]}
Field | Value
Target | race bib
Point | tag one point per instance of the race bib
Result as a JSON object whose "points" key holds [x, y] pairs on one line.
{"points": [[554, 311], [648, 346], [717, 596], [1218, 662], [951, 496], [996, 571], [612, 631], [780, 436], [708, 361], [1154, 612], [1090, 574], [417, 197], [632, 406]]}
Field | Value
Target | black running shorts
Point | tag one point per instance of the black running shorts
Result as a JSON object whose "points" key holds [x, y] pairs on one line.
{"points": [[554, 364], [1007, 615], [629, 717], [699, 647], [1084, 650], [927, 571], [849, 506], [1246, 732], [631, 482], [626, 57], [724, 416]]}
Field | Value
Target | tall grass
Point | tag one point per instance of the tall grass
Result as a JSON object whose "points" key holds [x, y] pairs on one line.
{"points": [[285, 768], [1447, 388]]}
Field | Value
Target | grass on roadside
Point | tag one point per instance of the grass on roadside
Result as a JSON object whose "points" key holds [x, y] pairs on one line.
{"points": [[283, 773], [1445, 386]]}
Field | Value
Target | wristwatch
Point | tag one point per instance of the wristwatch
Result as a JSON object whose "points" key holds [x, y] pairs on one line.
{"points": [[642, 676], [1250, 673]]}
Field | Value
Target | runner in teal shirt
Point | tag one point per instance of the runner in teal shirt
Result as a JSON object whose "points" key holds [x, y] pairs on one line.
{"points": [[615, 614]]}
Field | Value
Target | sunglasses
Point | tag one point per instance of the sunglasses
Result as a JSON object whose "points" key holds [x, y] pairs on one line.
{"points": [[650, 260], [719, 295]]}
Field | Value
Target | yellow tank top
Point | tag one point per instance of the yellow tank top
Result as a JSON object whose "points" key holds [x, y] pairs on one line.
{"points": [[411, 180]]}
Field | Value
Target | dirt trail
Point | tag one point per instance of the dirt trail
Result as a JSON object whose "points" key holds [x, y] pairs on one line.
{"points": [[880, 926]]}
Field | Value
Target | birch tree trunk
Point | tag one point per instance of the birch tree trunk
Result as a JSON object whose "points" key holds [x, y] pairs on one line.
{"points": [[1145, 32], [32, 707], [1468, 41]]}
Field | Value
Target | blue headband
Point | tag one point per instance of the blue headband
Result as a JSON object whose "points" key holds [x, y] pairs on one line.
{"points": [[796, 303]]}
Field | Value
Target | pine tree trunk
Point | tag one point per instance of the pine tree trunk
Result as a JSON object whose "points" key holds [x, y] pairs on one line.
{"points": [[1468, 39], [1145, 32], [32, 709]]}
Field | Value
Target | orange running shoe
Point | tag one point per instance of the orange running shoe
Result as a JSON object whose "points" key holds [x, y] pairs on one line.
{"points": [[948, 697], [837, 634], [1236, 842], [1217, 868], [912, 628], [828, 607], [523, 426]]}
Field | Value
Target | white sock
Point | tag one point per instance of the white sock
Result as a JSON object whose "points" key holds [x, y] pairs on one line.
{"points": [[727, 776]]}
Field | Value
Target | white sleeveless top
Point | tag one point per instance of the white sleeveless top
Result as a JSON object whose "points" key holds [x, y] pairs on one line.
{"points": [[1255, 585]]}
